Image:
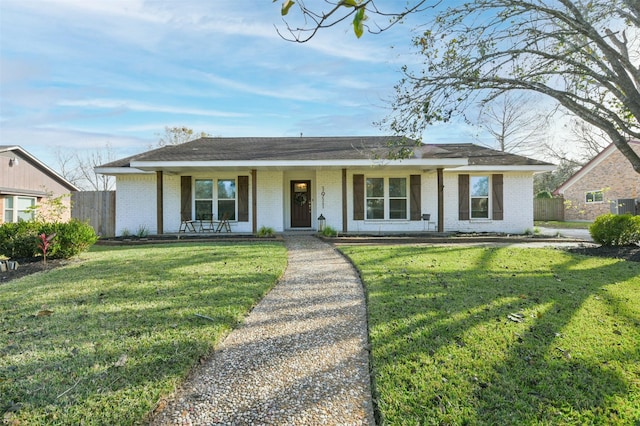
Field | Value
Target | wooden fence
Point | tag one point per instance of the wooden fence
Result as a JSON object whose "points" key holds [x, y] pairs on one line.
{"points": [[97, 207], [548, 209]]}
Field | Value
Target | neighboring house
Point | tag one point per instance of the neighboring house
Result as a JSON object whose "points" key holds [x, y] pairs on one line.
{"points": [[26, 182], [287, 183], [605, 184]]}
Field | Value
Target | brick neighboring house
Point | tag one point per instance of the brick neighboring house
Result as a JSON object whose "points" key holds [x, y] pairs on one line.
{"points": [[25, 182], [598, 187]]}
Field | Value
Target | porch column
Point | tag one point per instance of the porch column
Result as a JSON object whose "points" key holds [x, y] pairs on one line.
{"points": [[344, 200], [159, 199], [440, 200], [254, 201]]}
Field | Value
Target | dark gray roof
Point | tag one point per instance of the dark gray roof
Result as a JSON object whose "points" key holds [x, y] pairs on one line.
{"points": [[318, 149]]}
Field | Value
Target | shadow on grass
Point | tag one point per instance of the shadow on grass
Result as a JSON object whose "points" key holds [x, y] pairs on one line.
{"points": [[501, 335], [111, 334]]}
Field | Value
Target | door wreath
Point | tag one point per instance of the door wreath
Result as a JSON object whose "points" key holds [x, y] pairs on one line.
{"points": [[301, 198]]}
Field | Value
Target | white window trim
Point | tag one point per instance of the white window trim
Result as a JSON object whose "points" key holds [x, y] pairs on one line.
{"points": [[214, 193], [15, 211], [387, 199], [489, 197], [594, 197]]}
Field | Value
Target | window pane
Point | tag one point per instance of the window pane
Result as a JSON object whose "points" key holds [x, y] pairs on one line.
{"points": [[479, 186], [8, 202], [480, 208], [227, 189], [25, 203], [203, 208], [204, 188], [398, 208], [228, 207], [8, 215], [397, 187], [375, 187], [598, 196], [375, 209]]}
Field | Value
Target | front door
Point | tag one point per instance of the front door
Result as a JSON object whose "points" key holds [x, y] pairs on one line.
{"points": [[301, 204]]}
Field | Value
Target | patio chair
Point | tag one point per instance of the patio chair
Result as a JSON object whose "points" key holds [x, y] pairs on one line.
{"points": [[224, 223]]}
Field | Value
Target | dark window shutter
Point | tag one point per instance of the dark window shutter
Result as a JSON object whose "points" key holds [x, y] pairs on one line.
{"points": [[243, 198], [415, 202], [463, 197], [358, 197], [185, 198], [497, 197]]}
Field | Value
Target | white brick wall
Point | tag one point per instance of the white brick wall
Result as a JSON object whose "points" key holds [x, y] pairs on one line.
{"points": [[331, 181], [518, 206], [136, 203], [270, 199]]}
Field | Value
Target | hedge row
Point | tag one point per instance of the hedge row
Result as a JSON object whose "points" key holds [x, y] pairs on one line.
{"points": [[20, 240]]}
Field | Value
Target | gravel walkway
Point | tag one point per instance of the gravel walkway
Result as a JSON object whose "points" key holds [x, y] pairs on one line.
{"points": [[300, 358]]}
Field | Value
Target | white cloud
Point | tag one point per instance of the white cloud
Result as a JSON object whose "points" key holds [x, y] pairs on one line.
{"points": [[125, 104]]}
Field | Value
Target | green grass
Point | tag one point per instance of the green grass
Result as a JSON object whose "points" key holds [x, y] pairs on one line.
{"points": [[100, 341], [562, 225], [445, 352]]}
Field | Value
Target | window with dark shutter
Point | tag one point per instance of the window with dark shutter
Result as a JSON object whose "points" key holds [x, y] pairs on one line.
{"points": [[243, 198], [185, 198], [497, 198], [358, 197], [463, 197], [416, 197]]}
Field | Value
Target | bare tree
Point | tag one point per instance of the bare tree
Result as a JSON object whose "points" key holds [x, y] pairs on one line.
{"points": [[515, 123], [78, 168]]}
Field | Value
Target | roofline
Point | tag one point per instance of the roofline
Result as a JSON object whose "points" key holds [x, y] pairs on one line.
{"points": [[586, 168], [430, 162], [41, 165], [508, 168]]}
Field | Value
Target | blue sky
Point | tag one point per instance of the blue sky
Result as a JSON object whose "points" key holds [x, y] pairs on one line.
{"points": [[78, 74]]}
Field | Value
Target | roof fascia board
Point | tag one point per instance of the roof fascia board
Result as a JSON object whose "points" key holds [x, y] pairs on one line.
{"points": [[496, 168], [155, 165], [121, 171]]}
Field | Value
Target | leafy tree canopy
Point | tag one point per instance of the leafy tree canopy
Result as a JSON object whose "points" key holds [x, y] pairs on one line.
{"points": [[584, 54]]}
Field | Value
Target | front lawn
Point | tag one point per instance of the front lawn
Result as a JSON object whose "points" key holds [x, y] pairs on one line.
{"points": [[100, 341], [492, 336]]}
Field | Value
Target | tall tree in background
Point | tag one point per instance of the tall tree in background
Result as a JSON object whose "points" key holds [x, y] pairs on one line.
{"points": [[178, 135], [515, 123], [78, 168], [582, 54]]}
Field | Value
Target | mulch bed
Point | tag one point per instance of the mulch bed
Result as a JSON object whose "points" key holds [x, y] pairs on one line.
{"points": [[28, 267]]}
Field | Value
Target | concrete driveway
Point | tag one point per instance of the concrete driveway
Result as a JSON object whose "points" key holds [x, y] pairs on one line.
{"points": [[578, 234]]}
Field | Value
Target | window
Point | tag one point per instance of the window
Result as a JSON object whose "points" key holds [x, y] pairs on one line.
{"points": [[479, 197], [594, 197], [227, 198], [386, 198], [18, 208], [204, 198]]}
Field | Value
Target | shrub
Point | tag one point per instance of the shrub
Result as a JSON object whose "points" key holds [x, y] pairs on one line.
{"points": [[20, 240], [265, 232], [544, 194], [616, 230], [329, 232]]}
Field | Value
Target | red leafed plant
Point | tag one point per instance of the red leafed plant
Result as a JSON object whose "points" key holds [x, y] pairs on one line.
{"points": [[44, 243]]}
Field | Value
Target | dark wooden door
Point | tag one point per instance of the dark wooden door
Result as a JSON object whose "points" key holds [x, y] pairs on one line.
{"points": [[301, 204]]}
